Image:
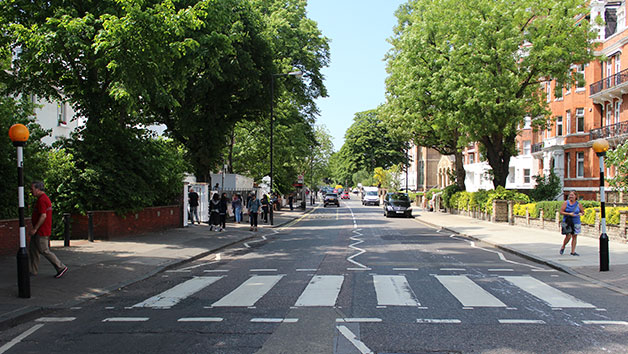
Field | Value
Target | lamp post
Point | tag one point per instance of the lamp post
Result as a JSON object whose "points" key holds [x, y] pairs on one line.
{"points": [[272, 127], [18, 133], [600, 147]]}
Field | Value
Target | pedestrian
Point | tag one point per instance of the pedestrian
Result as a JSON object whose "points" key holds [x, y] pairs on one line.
{"points": [[570, 226], [236, 205], [265, 204], [253, 206], [214, 212], [193, 201], [290, 200], [223, 211], [41, 231]]}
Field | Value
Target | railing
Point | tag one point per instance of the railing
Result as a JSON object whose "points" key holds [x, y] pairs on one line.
{"points": [[537, 147], [608, 82], [609, 131]]}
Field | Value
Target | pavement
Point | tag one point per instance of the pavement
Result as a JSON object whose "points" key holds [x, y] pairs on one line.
{"points": [[100, 267]]}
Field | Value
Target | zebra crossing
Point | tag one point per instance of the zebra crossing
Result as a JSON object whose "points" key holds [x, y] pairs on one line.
{"points": [[390, 291]]}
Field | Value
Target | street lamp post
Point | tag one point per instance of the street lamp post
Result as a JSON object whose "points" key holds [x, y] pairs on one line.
{"points": [[272, 129], [600, 147], [18, 133]]}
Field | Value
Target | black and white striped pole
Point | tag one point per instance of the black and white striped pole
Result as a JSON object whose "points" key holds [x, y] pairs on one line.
{"points": [[18, 133], [600, 147]]}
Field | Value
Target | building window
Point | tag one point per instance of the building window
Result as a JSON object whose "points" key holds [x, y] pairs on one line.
{"points": [[581, 80], [526, 147], [61, 114], [548, 89], [559, 126], [580, 120], [567, 122], [527, 123], [511, 175], [617, 109], [526, 175], [580, 164], [568, 163], [610, 18], [471, 158], [421, 172]]}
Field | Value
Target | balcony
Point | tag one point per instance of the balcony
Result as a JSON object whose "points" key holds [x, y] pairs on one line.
{"points": [[610, 87], [538, 147], [617, 132]]}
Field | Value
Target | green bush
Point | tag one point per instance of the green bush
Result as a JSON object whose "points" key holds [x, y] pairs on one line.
{"points": [[463, 200], [520, 209], [549, 208], [502, 193], [448, 192], [478, 199], [429, 194]]}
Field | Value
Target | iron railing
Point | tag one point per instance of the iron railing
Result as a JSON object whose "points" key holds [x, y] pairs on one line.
{"points": [[537, 147], [609, 131], [608, 82]]}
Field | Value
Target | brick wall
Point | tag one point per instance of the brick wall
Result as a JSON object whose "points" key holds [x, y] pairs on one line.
{"points": [[613, 231], [10, 235]]}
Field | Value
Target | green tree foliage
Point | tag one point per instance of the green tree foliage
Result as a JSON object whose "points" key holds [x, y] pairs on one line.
{"points": [[547, 187], [481, 63], [618, 158]]}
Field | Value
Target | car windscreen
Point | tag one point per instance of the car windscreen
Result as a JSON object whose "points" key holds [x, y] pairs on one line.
{"points": [[332, 195], [399, 198], [371, 193]]}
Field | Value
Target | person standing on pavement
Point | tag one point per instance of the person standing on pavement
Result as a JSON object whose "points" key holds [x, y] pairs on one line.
{"points": [[223, 211], [253, 206], [290, 200], [214, 212], [41, 231], [570, 226], [193, 201], [236, 205], [265, 204]]}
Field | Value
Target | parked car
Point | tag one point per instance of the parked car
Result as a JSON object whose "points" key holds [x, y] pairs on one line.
{"points": [[331, 198], [370, 195], [345, 195], [397, 204]]}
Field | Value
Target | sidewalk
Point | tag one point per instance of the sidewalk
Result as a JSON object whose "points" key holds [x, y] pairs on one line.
{"points": [[100, 267], [541, 246]]}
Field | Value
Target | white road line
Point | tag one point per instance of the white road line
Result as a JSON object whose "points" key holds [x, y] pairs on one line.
{"points": [[55, 319], [405, 269], [215, 271], [394, 290], [322, 290], [467, 292], [367, 268], [263, 270], [501, 270], [358, 320], [274, 320], [247, 244], [437, 320], [189, 269], [453, 269], [177, 293], [516, 321], [126, 319], [552, 296], [249, 292], [360, 251], [355, 224], [19, 338], [200, 319], [595, 322], [306, 270], [354, 340], [499, 254]]}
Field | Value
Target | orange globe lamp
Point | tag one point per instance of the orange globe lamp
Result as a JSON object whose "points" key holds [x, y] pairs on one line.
{"points": [[18, 133], [600, 146]]}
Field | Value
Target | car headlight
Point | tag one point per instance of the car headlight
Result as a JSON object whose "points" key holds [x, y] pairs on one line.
{"points": [[389, 207]]}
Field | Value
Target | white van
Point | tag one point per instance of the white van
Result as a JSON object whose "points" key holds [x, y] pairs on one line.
{"points": [[370, 196]]}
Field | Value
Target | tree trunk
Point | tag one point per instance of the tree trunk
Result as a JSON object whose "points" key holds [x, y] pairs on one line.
{"points": [[230, 156], [498, 159], [460, 172]]}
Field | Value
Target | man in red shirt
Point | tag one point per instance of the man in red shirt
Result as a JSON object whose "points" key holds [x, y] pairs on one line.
{"points": [[41, 231]]}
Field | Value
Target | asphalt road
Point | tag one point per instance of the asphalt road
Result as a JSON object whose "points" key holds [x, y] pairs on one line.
{"points": [[344, 280]]}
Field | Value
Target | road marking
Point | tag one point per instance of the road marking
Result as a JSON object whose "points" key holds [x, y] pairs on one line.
{"points": [[515, 321], [367, 268], [263, 270], [501, 270], [552, 296], [360, 251], [322, 290], [595, 322], [215, 271], [354, 340], [306, 270], [358, 320], [177, 293], [274, 320], [189, 269], [126, 319], [394, 290], [200, 319], [262, 239], [249, 292], [499, 254], [437, 320], [405, 269], [109, 308], [19, 338], [55, 319], [467, 292], [453, 269], [355, 224], [76, 308]]}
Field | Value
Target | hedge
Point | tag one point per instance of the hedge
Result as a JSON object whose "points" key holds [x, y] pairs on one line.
{"points": [[483, 199], [551, 207]]}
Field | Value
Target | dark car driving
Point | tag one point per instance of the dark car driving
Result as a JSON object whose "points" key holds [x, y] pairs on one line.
{"points": [[397, 204], [331, 198]]}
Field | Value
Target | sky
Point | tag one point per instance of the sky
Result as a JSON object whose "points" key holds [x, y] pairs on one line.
{"points": [[355, 78]]}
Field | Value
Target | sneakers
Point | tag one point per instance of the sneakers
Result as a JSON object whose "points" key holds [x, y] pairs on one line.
{"points": [[574, 254], [61, 272], [256, 229], [562, 250]]}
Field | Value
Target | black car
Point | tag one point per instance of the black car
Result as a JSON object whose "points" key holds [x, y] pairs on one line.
{"points": [[331, 198], [397, 204]]}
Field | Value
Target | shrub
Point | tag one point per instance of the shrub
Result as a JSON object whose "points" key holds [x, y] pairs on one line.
{"points": [[429, 194], [478, 199], [549, 208], [520, 210], [463, 200], [448, 192], [547, 188], [589, 216], [502, 193]]}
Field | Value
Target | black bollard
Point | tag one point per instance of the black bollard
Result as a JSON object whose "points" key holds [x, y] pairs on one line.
{"points": [[90, 226], [66, 230]]}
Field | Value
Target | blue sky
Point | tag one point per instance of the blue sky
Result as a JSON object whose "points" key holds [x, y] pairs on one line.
{"points": [[355, 78]]}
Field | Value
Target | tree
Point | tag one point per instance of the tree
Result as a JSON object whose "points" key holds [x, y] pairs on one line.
{"points": [[547, 187], [490, 63], [618, 158]]}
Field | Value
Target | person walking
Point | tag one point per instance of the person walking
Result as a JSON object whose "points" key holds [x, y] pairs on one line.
{"points": [[236, 205], [253, 206], [290, 200], [40, 232], [265, 205], [223, 211], [193, 201], [214, 212], [571, 225]]}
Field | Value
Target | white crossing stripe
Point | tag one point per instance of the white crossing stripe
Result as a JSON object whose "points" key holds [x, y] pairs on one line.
{"points": [[358, 320], [126, 319], [467, 292], [247, 294], [594, 322], [321, 291], [55, 319], [274, 320], [553, 297], [516, 321], [177, 293], [437, 320], [200, 319], [394, 290]]}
